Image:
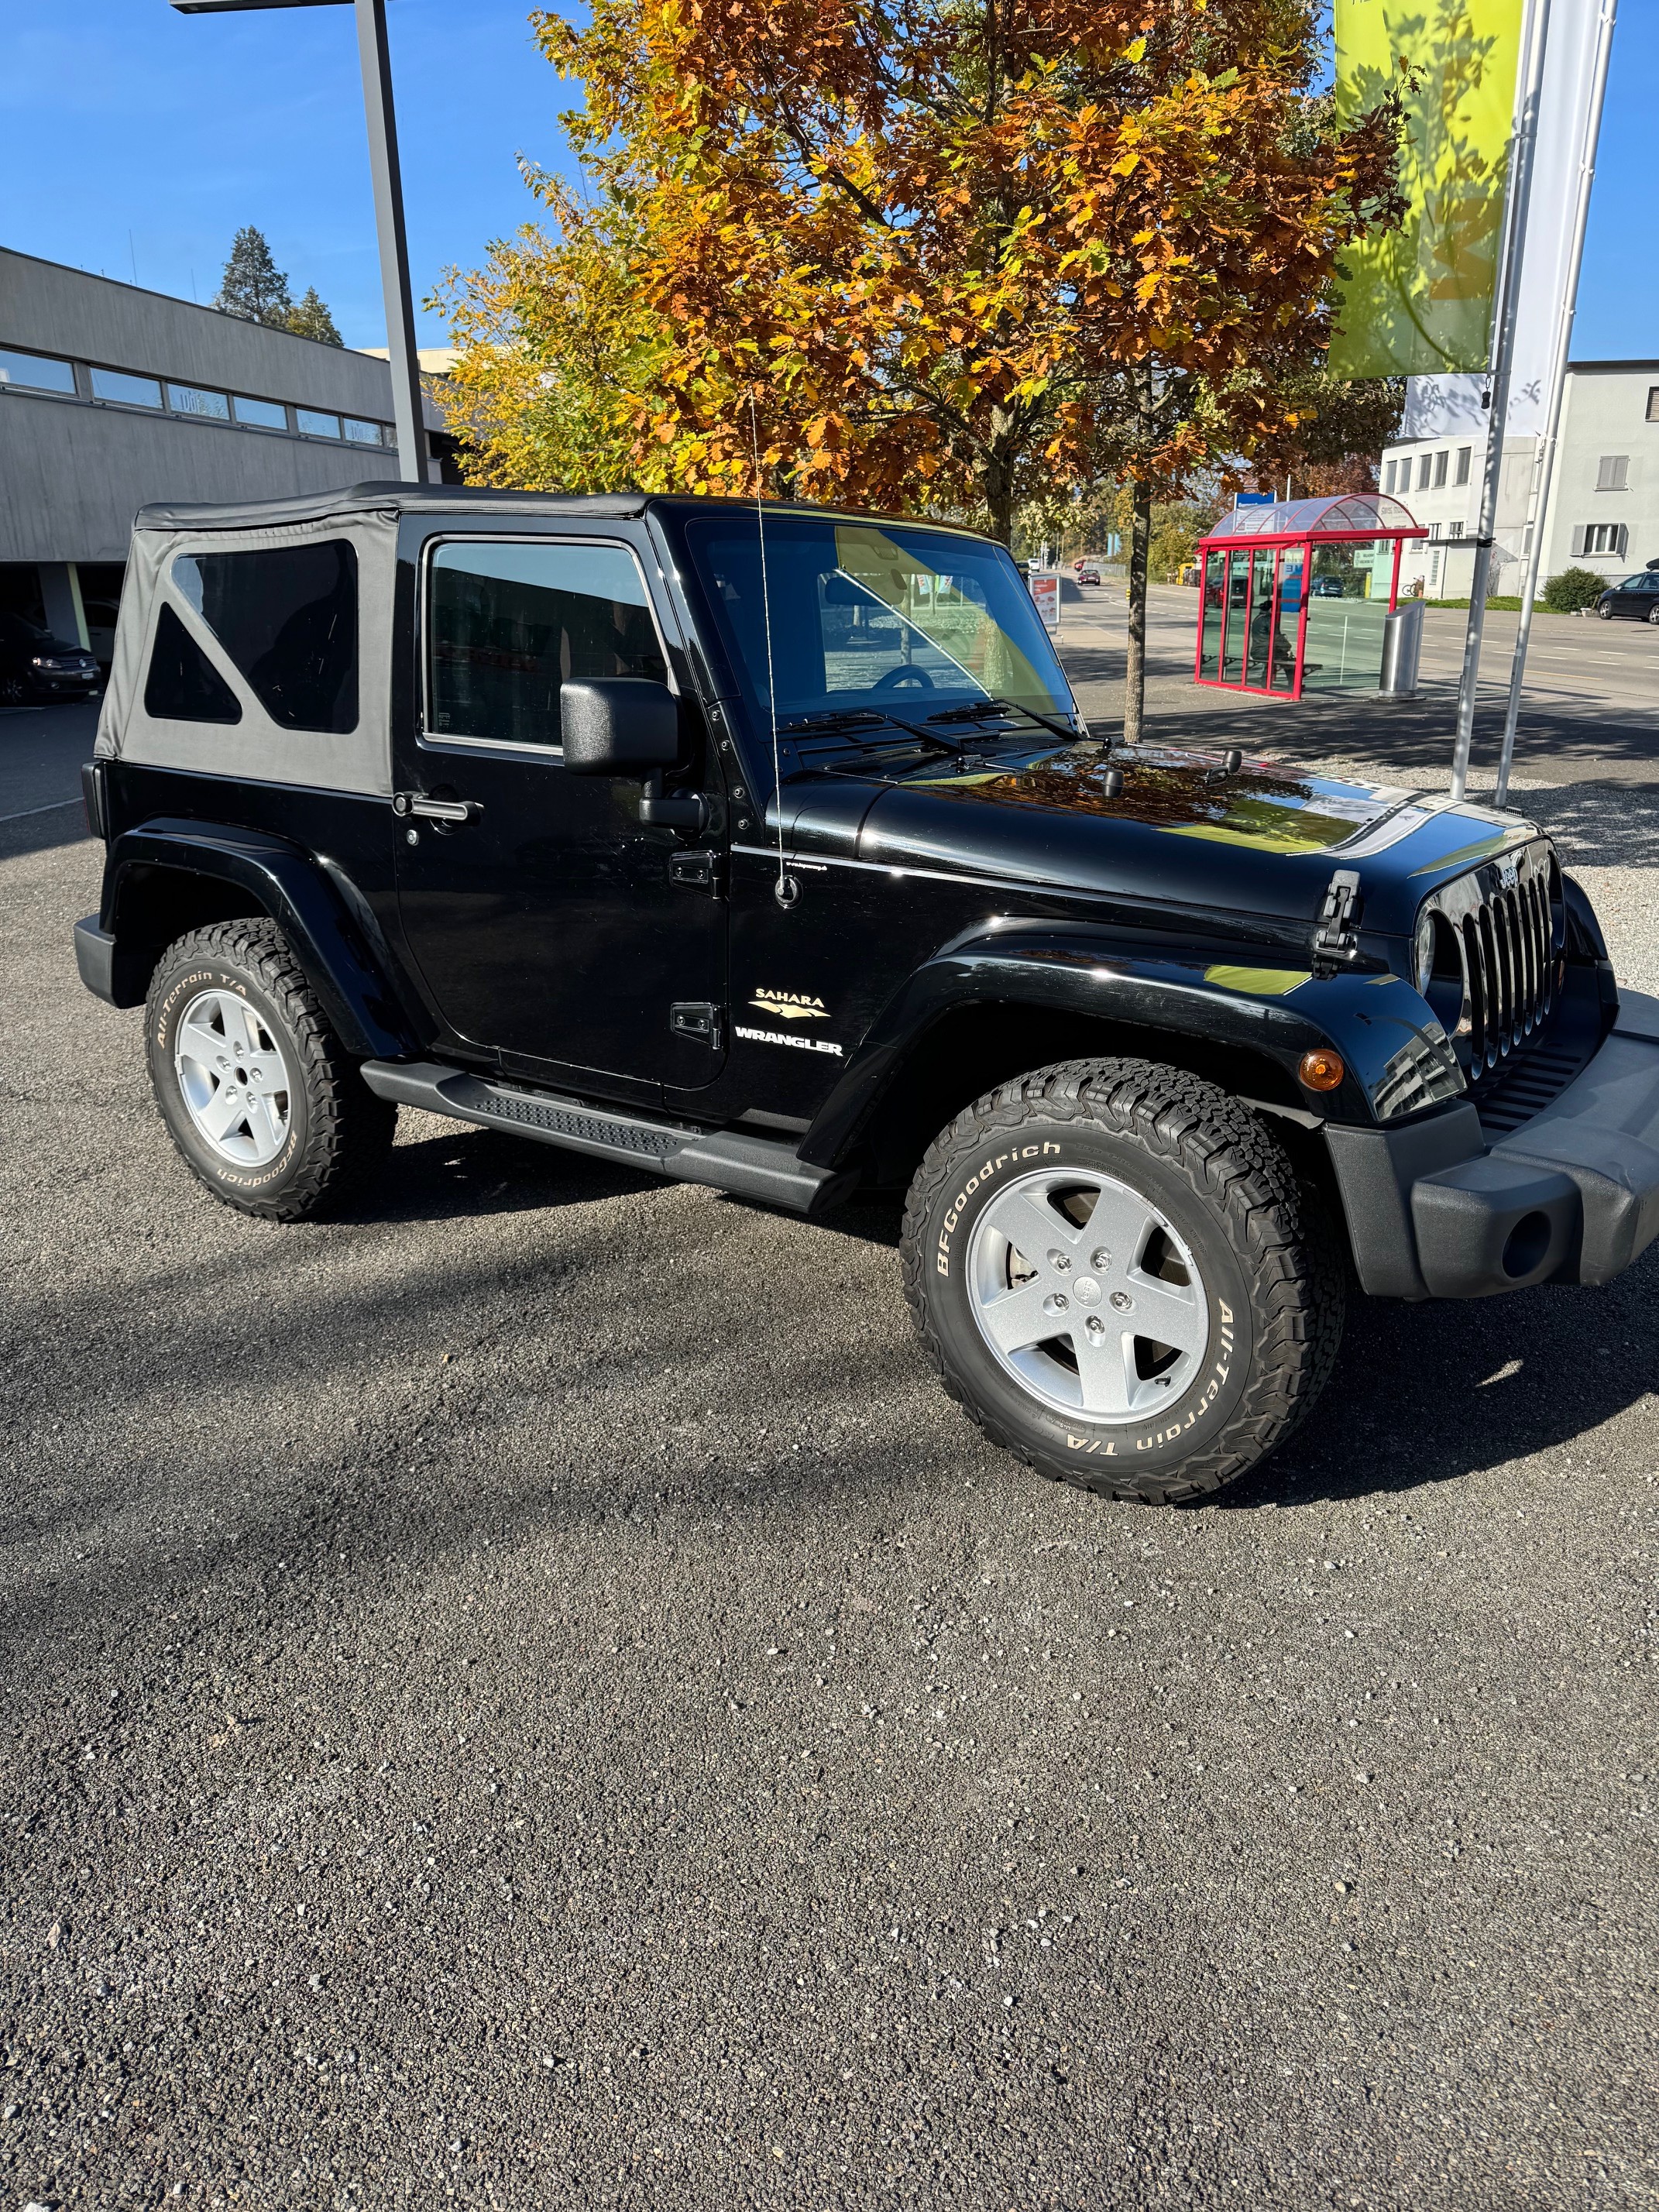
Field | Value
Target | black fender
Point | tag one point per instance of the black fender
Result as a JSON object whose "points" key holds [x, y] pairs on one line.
{"points": [[333, 930], [1377, 1023]]}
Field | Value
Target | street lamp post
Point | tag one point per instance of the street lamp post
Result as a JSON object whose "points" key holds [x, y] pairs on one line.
{"points": [[376, 58]]}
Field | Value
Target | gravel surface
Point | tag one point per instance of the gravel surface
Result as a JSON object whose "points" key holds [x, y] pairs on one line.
{"points": [[530, 1697]]}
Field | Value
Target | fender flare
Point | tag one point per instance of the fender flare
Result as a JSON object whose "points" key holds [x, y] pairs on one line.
{"points": [[326, 919], [1276, 1012]]}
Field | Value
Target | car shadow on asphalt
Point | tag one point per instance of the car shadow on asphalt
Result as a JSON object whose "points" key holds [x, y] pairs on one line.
{"points": [[462, 1173], [1428, 1394]]}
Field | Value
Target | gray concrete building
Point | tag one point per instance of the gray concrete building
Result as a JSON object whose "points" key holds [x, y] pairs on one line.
{"points": [[112, 397]]}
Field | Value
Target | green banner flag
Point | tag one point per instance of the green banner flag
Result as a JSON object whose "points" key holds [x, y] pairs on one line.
{"points": [[1418, 302]]}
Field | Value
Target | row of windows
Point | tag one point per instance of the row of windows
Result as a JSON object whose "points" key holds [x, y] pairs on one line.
{"points": [[507, 624], [33, 371], [1431, 471]]}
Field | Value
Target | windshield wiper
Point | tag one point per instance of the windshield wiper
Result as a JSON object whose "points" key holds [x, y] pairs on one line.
{"points": [[978, 710], [852, 718]]}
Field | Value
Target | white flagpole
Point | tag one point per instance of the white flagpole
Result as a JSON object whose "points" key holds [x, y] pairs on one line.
{"points": [[1558, 387], [1507, 310]]}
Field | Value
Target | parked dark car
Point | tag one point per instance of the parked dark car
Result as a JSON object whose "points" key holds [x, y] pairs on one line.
{"points": [[1637, 599], [593, 819], [35, 664]]}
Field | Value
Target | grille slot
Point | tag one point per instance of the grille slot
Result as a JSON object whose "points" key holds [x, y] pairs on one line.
{"points": [[1506, 921]]}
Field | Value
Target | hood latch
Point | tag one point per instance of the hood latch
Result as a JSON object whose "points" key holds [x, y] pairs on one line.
{"points": [[1335, 944]]}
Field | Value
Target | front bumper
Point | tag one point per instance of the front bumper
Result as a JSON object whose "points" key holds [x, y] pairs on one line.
{"points": [[1572, 1196]]}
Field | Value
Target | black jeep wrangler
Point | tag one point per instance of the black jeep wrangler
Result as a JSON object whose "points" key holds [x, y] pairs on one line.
{"points": [[766, 849]]}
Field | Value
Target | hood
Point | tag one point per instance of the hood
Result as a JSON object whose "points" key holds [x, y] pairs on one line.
{"points": [[1262, 841]]}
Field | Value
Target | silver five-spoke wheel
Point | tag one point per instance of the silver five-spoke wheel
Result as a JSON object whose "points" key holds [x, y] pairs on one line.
{"points": [[1087, 1295], [233, 1078]]}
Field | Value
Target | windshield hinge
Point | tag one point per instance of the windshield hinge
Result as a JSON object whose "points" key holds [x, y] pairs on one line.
{"points": [[1335, 946]]}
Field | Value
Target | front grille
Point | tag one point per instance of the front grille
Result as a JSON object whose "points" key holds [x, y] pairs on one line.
{"points": [[1500, 934]]}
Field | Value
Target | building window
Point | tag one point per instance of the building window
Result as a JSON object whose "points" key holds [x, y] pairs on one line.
{"points": [[1613, 472], [127, 391], [262, 414], [1653, 403], [364, 434], [315, 425], [1463, 457], [1424, 463], [34, 373], [1388, 470], [185, 399], [287, 618], [1454, 530], [1441, 459], [1604, 538]]}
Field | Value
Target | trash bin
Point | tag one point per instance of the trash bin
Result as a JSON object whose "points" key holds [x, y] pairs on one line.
{"points": [[1402, 644]]}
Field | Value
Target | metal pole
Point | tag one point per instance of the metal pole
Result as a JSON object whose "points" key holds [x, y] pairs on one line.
{"points": [[1507, 307], [406, 411], [1557, 387]]}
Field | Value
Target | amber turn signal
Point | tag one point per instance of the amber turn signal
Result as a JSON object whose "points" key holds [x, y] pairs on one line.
{"points": [[1321, 1070]]}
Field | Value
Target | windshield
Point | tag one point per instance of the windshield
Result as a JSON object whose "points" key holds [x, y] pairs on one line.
{"points": [[866, 616]]}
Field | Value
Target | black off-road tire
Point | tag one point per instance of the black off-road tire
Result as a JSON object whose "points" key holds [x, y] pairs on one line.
{"points": [[1268, 1264], [338, 1131]]}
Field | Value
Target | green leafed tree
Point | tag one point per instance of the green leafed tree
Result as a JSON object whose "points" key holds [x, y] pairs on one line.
{"points": [[252, 285], [310, 319]]}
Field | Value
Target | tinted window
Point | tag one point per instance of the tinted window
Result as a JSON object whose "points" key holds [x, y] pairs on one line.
{"points": [[183, 684], [506, 624], [315, 425], [288, 620], [187, 400], [265, 413], [36, 372], [362, 433], [130, 391]]}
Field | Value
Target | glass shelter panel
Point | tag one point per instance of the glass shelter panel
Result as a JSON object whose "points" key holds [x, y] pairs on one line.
{"points": [[1287, 616], [1215, 600], [1238, 607], [1347, 610], [1259, 650]]}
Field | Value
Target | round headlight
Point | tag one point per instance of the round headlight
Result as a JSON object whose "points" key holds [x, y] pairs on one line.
{"points": [[1423, 952]]}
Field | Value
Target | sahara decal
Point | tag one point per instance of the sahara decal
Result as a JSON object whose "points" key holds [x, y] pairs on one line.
{"points": [[790, 1005]]}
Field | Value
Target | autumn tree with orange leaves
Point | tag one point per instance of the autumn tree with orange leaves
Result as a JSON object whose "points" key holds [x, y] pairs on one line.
{"points": [[958, 256]]}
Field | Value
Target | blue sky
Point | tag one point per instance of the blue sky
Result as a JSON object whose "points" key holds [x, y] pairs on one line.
{"points": [[132, 138]]}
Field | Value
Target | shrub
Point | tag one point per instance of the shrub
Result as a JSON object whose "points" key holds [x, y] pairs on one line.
{"points": [[1573, 589]]}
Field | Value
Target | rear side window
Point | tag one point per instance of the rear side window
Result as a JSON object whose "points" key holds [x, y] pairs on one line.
{"points": [[183, 685], [507, 624], [288, 620]]}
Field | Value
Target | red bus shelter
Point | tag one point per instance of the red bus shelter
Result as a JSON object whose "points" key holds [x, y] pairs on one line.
{"points": [[1295, 597]]}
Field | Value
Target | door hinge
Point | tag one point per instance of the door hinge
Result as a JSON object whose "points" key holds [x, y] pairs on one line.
{"points": [[696, 1018], [699, 869], [1335, 946]]}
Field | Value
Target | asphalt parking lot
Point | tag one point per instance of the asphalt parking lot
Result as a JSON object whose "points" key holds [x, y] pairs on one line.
{"points": [[530, 1697]]}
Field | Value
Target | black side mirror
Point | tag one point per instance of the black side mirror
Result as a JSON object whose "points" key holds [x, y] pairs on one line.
{"points": [[618, 726]]}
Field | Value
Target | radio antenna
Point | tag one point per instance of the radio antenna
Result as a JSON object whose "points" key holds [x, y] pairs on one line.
{"points": [[785, 891]]}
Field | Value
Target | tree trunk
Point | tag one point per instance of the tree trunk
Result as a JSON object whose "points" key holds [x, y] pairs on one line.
{"points": [[1134, 672]]}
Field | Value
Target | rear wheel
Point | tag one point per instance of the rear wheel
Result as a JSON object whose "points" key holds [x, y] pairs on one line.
{"points": [[1121, 1278], [259, 1096], [1653, 616]]}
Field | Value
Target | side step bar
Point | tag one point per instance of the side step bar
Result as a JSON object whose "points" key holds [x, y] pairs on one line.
{"points": [[748, 1166]]}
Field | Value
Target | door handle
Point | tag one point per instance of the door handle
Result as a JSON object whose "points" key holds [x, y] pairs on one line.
{"points": [[454, 812]]}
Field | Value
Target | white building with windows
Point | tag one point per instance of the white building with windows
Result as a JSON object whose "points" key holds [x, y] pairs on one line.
{"points": [[1604, 498]]}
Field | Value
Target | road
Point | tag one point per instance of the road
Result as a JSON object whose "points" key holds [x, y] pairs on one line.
{"points": [[1589, 707], [529, 1697]]}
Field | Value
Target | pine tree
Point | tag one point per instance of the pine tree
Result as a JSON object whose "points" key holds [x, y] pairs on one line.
{"points": [[252, 285], [311, 320]]}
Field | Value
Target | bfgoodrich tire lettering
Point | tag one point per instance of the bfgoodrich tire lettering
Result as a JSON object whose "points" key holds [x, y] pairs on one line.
{"points": [[1235, 1233], [333, 1131]]}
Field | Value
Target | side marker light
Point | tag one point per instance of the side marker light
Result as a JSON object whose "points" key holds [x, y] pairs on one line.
{"points": [[1321, 1070]]}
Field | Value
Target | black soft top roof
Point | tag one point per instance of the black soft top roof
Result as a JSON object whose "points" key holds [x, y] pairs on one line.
{"points": [[391, 499], [388, 498]]}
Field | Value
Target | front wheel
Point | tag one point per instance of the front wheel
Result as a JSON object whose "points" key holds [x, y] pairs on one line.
{"points": [[255, 1088], [1121, 1278]]}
